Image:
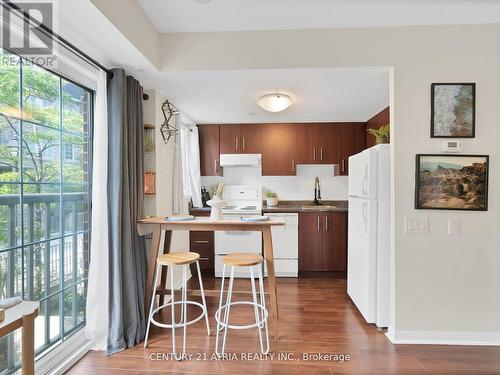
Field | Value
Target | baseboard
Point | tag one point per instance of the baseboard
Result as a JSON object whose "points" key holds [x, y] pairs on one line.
{"points": [[444, 337]]}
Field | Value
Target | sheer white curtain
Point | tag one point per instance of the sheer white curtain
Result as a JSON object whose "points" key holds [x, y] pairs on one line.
{"points": [[178, 206], [97, 292], [187, 175]]}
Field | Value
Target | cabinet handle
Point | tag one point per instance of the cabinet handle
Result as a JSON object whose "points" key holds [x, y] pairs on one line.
{"points": [[236, 143], [201, 241], [318, 223], [321, 153], [215, 166], [343, 165], [326, 222], [293, 166], [204, 258], [314, 153], [243, 143]]}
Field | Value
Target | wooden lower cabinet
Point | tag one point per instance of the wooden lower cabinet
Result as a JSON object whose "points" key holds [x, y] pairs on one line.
{"points": [[203, 244], [323, 241], [310, 241], [335, 242]]}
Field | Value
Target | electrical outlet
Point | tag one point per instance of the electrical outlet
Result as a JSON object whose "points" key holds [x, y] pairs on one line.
{"points": [[416, 225], [453, 227]]}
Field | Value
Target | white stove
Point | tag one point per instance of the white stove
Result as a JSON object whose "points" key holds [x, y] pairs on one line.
{"points": [[242, 201], [245, 200]]}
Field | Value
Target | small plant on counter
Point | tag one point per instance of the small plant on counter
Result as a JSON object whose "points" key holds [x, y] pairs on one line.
{"points": [[381, 134], [272, 199]]}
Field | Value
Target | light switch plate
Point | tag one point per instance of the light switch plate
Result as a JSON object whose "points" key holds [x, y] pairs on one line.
{"points": [[453, 227], [416, 225]]}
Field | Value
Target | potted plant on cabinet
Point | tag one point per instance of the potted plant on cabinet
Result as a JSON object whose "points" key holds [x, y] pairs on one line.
{"points": [[272, 199], [381, 134]]}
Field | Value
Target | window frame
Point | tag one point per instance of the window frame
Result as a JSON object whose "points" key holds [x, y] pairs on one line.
{"points": [[27, 246]]}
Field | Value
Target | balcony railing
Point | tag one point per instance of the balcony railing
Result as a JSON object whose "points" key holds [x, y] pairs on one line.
{"points": [[44, 254]]}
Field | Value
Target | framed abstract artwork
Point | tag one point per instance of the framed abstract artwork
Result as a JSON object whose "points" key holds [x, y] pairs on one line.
{"points": [[451, 182], [453, 110]]}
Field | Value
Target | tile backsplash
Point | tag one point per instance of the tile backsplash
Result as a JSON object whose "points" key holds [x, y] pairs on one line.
{"points": [[299, 187]]}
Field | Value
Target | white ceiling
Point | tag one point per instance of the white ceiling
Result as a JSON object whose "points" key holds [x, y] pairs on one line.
{"points": [[237, 15], [336, 94]]}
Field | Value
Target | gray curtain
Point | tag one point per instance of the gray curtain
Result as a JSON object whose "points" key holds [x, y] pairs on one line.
{"points": [[127, 254]]}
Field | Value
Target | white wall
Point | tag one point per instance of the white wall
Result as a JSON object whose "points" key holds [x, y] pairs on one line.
{"points": [[300, 187], [140, 31], [164, 157], [444, 285]]}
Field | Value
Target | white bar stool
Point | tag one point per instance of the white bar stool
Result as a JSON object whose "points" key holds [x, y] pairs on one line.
{"points": [[183, 259], [250, 261]]}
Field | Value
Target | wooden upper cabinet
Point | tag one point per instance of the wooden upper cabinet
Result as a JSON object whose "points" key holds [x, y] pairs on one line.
{"points": [[251, 138], [279, 143], [322, 143], [282, 146], [230, 139], [209, 150], [353, 136], [240, 139]]}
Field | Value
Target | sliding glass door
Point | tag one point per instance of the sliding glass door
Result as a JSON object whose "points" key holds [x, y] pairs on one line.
{"points": [[45, 165]]}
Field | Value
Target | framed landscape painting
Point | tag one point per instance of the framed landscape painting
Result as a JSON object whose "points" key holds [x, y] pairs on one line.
{"points": [[451, 182], [453, 107]]}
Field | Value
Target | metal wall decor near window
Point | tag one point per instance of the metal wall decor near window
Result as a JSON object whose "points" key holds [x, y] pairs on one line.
{"points": [[45, 186], [167, 129]]}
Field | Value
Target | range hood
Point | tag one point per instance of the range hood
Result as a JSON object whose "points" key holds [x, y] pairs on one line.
{"points": [[240, 160]]}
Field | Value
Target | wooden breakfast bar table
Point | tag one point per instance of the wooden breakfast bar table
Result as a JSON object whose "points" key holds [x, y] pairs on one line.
{"points": [[156, 225]]}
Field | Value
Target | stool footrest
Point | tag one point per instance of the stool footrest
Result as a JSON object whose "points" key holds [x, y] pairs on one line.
{"points": [[232, 326], [177, 325]]}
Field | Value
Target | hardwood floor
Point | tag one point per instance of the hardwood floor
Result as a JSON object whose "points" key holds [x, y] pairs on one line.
{"points": [[316, 316]]}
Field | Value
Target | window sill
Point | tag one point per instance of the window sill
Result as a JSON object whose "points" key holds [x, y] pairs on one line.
{"points": [[63, 356]]}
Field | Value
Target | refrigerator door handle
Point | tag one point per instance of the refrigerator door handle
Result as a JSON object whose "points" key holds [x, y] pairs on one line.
{"points": [[364, 181], [364, 212]]}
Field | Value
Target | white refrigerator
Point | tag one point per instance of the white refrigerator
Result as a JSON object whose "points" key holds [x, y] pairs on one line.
{"points": [[368, 253]]}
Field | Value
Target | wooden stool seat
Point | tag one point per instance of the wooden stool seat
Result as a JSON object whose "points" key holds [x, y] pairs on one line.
{"points": [[177, 259], [242, 259]]}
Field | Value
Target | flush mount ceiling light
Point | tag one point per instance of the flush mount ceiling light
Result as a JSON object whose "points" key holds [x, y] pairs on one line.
{"points": [[274, 102]]}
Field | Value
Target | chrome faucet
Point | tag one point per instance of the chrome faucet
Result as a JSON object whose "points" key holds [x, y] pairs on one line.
{"points": [[317, 191]]}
